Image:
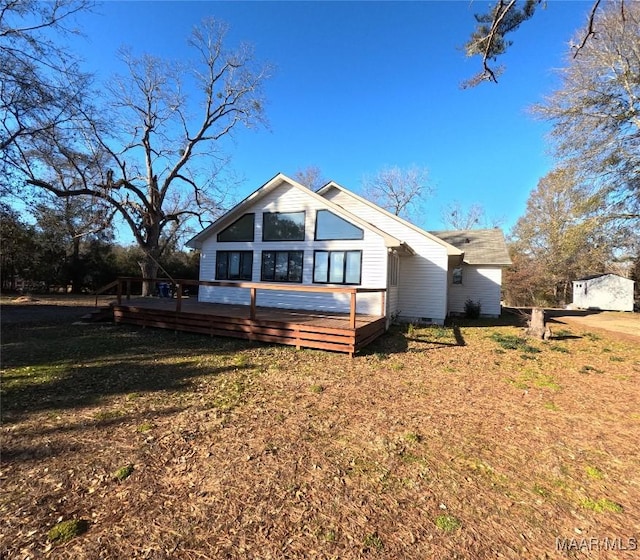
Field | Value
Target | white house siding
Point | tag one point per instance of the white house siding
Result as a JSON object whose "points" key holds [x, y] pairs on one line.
{"points": [[290, 199], [423, 276], [480, 284], [608, 292]]}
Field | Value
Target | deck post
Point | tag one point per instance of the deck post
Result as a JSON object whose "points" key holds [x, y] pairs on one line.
{"points": [[352, 311], [128, 289], [252, 309], [178, 298], [383, 306], [119, 292]]}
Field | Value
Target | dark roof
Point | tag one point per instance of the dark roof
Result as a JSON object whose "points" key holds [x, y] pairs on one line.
{"points": [[480, 246]]}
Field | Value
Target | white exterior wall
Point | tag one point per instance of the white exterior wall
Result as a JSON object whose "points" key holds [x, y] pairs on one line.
{"points": [[291, 199], [479, 283], [608, 293], [422, 278]]}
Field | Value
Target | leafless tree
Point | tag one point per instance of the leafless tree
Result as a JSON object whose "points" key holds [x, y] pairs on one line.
{"points": [[595, 112], [150, 153], [311, 177], [40, 81], [456, 216], [400, 191]]}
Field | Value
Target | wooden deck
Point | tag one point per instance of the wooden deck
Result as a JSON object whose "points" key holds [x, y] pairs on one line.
{"points": [[299, 328]]}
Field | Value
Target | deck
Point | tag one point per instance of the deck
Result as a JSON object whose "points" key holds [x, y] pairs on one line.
{"points": [[340, 332]]}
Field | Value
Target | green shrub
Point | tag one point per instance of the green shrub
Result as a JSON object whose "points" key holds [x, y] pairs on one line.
{"points": [[472, 309]]}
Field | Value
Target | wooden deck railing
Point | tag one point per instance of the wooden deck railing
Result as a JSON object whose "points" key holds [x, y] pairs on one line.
{"points": [[126, 282]]}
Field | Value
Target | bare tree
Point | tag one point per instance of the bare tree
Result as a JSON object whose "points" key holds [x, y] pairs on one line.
{"points": [[595, 112], [456, 216], [151, 154], [400, 191], [40, 82], [310, 177]]}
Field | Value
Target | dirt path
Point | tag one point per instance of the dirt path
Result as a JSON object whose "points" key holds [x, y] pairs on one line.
{"points": [[626, 325]]}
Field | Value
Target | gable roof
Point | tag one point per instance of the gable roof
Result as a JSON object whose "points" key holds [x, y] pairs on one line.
{"points": [[594, 276], [480, 246], [451, 249], [228, 218]]}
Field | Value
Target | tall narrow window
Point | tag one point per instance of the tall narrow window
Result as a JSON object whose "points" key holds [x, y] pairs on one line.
{"points": [[456, 276], [234, 265], [283, 226], [394, 265], [337, 267], [331, 226], [240, 230], [282, 266]]}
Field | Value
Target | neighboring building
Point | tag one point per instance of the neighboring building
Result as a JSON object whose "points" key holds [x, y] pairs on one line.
{"points": [[607, 292], [287, 234]]}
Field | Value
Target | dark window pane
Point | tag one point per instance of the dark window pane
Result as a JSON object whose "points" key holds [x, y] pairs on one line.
{"points": [[221, 266], [268, 265], [240, 230], [282, 264], [246, 265], [330, 226], [281, 226], [295, 266], [234, 265]]}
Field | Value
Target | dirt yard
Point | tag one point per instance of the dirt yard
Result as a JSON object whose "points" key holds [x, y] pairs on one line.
{"points": [[466, 442], [627, 324]]}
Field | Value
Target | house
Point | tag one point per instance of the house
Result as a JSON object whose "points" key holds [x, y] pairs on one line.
{"points": [[607, 292], [286, 234], [479, 276]]}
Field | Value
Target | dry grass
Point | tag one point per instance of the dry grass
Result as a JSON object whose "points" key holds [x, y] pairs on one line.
{"points": [[421, 448]]}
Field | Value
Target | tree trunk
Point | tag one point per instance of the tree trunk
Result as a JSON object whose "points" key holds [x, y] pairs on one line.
{"points": [[76, 268], [149, 270], [537, 326]]}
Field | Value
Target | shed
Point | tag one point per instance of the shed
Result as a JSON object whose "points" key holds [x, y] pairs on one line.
{"points": [[606, 292]]}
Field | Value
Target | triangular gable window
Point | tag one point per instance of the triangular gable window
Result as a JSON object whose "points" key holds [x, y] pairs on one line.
{"points": [[240, 230], [330, 226]]}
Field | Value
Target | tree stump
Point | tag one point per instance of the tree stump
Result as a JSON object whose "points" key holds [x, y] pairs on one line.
{"points": [[537, 325]]}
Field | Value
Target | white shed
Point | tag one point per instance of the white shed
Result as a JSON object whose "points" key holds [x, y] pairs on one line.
{"points": [[607, 292]]}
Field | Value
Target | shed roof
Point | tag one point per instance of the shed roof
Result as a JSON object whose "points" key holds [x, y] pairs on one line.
{"points": [[480, 246]]}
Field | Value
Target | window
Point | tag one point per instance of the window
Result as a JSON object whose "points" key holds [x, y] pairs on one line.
{"points": [[283, 226], [337, 267], [240, 230], [282, 266], [456, 276], [394, 264], [234, 265], [330, 226]]}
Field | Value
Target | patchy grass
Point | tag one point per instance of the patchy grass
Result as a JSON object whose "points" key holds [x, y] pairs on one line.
{"points": [[247, 450]]}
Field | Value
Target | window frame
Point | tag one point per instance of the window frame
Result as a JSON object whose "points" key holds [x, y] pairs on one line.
{"points": [[242, 260], [329, 253], [253, 230], [456, 277], [304, 229], [275, 258], [315, 232]]}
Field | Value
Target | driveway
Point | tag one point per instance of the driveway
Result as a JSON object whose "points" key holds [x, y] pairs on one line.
{"points": [[627, 325]]}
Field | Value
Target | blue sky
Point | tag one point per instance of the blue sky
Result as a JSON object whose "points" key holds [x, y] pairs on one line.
{"points": [[363, 85]]}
